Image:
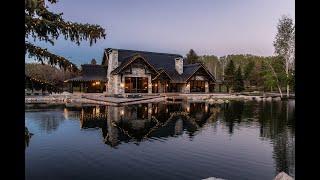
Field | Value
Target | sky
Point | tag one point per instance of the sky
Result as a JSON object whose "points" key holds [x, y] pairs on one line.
{"points": [[210, 27]]}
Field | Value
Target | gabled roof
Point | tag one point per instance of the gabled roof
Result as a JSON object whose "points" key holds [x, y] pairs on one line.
{"points": [[162, 72], [128, 60], [91, 72], [188, 71]]}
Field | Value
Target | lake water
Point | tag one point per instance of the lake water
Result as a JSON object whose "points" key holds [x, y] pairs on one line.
{"points": [[239, 140]]}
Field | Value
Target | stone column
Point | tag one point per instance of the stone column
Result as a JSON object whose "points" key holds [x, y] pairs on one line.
{"points": [[149, 85], [149, 111], [206, 86], [187, 88], [106, 84], [120, 89]]}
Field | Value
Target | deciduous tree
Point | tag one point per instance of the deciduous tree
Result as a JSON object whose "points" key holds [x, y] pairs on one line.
{"points": [[285, 45]]}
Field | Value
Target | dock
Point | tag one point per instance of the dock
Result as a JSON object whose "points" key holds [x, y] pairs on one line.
{"points": [[124, 101]]}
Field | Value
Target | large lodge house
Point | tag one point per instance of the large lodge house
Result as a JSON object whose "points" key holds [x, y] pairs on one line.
{"points": [[128, 71]]}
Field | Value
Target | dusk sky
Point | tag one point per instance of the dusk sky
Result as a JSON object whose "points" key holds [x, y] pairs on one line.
{"points": [[211, 27]]}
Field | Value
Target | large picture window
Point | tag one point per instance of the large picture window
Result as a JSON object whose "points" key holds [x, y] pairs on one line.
{"points": [[136, 85], [197, 86]]}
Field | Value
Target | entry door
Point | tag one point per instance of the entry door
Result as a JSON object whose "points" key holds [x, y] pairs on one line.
{"points": [[197, 86], [136, 85]]}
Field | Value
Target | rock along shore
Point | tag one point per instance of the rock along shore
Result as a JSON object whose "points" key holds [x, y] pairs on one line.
{"points": [[98, 98]]}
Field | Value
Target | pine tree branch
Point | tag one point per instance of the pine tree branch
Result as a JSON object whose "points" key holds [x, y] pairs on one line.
{"points": [[43, 55], [46, 30]]}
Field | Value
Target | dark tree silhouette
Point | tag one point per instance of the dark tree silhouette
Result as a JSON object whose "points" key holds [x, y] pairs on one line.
{"points": [[44, 25]]}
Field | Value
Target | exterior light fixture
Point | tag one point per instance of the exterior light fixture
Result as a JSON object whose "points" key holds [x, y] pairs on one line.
{"points": [[122, 112], [122, 85]]}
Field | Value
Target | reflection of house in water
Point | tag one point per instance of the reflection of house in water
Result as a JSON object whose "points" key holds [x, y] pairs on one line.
{"points": [[93, 116], [138, 122], [160, 119], [128, 123]]}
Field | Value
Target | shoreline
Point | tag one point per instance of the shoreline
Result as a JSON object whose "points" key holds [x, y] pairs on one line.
{"points": [[98, 98]]}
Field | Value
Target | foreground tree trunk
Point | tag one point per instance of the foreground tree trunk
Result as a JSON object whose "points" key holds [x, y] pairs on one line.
{"points": [[287, 72], [275, 75]]}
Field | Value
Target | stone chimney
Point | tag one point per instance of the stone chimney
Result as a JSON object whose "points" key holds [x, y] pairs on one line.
{"points": [[179, 65], [112, 60]]}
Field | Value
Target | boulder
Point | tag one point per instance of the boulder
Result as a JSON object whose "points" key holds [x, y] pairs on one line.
{"points": [[66, 93], [213, 178], [277, 98], [283, 176]]}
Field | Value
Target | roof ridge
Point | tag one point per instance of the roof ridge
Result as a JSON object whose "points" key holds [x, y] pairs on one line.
{"points": [[195, 64], [137, 51]]}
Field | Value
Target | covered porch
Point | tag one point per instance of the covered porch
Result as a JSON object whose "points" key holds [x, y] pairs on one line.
{"points": [[86, 85]]}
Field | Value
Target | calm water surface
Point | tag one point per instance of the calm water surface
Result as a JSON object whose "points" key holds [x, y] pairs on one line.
{"points": [[239, 140]]}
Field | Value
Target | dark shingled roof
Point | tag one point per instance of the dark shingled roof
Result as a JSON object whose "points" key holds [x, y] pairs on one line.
{"points": [[91, 72], [158, 60], [126, 61], [161, 61]]}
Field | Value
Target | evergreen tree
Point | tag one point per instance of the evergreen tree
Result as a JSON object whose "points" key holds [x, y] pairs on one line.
{"points": [[238, 81], [192, 57], [229, 75], [44, 25], [93, 61], [248, 70]]}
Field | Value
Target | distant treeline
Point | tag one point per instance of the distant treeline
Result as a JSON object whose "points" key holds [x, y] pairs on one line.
{"points": [[257, 72]]}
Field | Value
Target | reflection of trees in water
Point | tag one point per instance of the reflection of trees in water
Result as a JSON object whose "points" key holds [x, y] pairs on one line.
{"points": [[134, 123], [233, 114], [27, 137], [49, 122], [277, 124], [276, 121]]}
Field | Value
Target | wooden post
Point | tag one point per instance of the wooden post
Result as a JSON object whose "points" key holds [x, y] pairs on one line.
{"points": [[31, 85]]}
